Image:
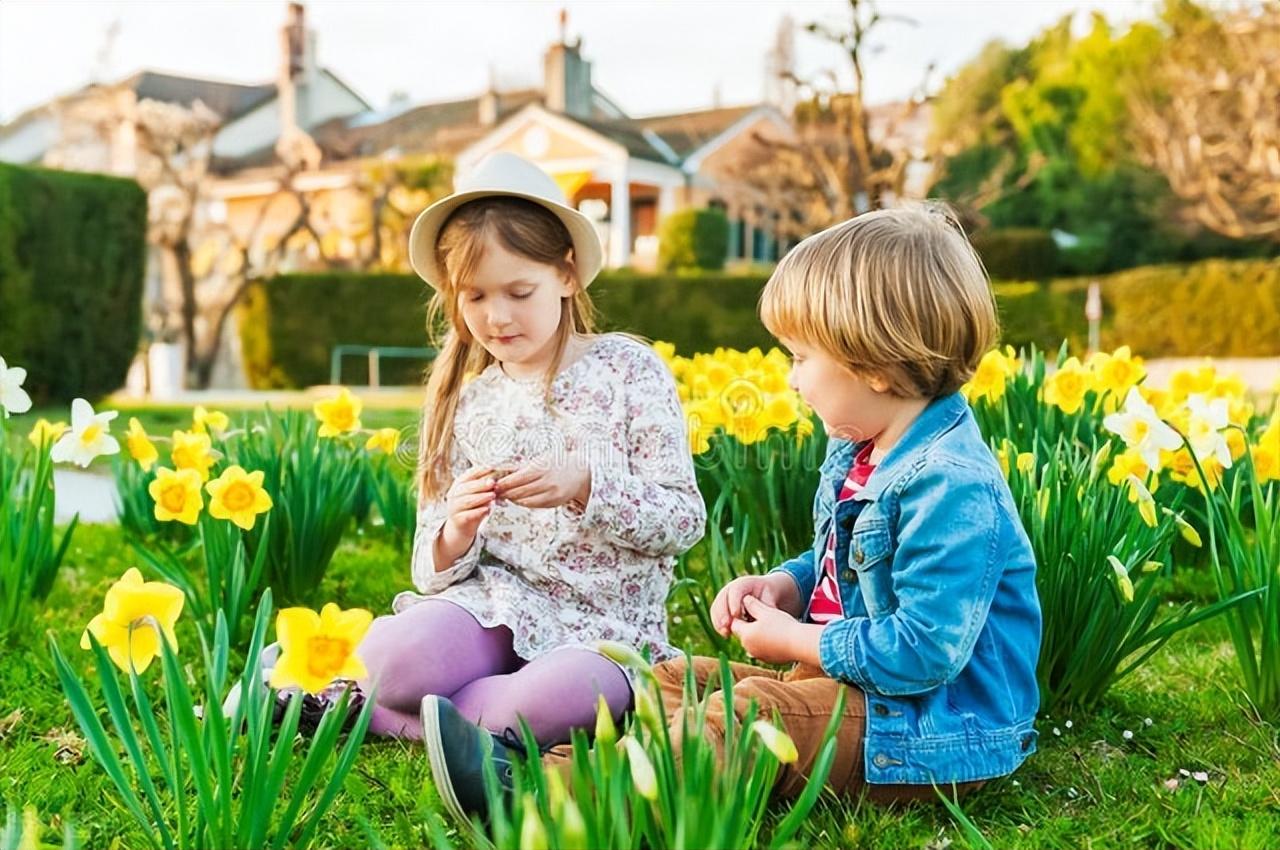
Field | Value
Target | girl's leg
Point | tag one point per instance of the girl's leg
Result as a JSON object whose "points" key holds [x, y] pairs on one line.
{"points": [[554, 693], [435, 647]]}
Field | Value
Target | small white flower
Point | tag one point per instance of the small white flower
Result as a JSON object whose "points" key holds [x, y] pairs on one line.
{"points": [[1208, 420], [13, 398], [1200, 776], [88, 437], [1147, 721], [1182, 771], [1127, 735], [1068, 724], [1057, 731], [1142, 429]]}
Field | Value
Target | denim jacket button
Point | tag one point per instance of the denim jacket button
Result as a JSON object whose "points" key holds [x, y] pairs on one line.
{"points": [[881, 760], [881, 709], [848, 575], [858, 556]]}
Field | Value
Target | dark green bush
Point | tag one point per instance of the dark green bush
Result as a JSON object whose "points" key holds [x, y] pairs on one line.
{"points": [[72, 262], [694, 239], [1017, 253]]}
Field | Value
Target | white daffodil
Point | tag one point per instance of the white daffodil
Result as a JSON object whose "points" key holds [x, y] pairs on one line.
{"points": [[1142, 430], [88, 438], [13, 398], [1205, 432]]}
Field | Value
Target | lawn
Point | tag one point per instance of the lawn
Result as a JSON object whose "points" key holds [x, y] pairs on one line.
{"points": [[1092, 783]]}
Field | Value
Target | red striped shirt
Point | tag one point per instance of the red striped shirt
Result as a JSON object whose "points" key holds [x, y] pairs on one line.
{"points": [[825, 605]]}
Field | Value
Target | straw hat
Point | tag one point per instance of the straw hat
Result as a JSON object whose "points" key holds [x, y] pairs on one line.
{"points": [[503, 174]]}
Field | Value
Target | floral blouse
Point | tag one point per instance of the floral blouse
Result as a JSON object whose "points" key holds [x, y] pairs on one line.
{"points": [[569, 576]]}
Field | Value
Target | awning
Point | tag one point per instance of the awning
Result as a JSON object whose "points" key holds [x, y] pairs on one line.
{"points": [[571, 181]]}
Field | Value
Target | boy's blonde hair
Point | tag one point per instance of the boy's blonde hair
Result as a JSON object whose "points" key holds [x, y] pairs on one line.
{"points": [[897, 294]]}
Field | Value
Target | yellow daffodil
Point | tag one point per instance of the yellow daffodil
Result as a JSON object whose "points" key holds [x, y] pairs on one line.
{"points": [[88, 438], [177, 495], [135, 614], [1118, 372], [238, 496], [1066, 388], [1266, 454], [338, 415], [45, 432], [385, 440], [1126, 464], [316, 649], [202, 420], [1209, 419], [1026, 462], [193, 451], [1187, 382], [665, 350], [140, 446], [992, 376]]}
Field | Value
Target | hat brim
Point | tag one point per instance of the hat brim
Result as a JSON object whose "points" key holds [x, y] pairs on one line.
{"points": [[588, 254]]}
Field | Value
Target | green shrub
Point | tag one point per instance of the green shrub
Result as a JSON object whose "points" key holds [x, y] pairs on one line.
{"points": [[290, 324], [1223, 308], [72, 260], [1017, 253], [694, 239]]}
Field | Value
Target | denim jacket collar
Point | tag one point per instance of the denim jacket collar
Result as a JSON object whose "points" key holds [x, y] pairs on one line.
{"points": [[940, 416]]}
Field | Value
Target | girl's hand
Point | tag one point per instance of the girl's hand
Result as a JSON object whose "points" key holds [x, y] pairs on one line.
{"points": [[540, 485], [775, 590], [468, 502]]}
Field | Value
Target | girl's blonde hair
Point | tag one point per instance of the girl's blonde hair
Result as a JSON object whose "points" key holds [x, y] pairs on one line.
{"points": [[524, 228], [897, 294]]}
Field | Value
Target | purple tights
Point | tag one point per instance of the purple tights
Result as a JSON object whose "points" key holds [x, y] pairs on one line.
{"points": [[437, 647]]}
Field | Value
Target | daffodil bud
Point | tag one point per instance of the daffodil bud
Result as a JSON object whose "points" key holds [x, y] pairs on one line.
{"points": [[776, 741], [642, 773]]}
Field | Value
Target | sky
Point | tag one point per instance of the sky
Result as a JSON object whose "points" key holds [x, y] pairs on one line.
{"points": [[649, 57]]}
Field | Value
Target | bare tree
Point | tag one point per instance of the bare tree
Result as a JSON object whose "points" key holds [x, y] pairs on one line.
{"points": [[213, 261], [843, 157], [1211, 121]]}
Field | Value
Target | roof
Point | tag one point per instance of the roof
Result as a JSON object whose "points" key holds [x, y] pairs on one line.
{"points": [[685, 132], [227, 99]]}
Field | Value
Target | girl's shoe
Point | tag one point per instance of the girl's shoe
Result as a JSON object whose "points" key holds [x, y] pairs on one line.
{"points": [[457, 751]]}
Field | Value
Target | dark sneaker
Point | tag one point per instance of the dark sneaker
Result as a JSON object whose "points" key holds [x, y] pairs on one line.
{"points": [[458, 750], [315, 706]]}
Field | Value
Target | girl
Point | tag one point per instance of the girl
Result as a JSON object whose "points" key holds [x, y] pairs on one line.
{"points": [[556, 484]]}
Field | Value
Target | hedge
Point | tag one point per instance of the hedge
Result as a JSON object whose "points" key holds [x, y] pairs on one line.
{"points": [[1017, 253], [694, 239], [72, 264], [290, 324]]}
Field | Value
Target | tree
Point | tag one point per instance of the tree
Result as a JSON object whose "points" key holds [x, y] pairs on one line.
{"points": [[843, 158], [1211, 125], [396, 190]]}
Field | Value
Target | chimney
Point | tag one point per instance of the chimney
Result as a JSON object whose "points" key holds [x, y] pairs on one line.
{"points": [[567, 76], [297, 70], [489, 102]]}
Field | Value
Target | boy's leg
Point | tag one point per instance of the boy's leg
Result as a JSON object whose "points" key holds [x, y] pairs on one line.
{"points": [[435, 647], [554, 693], [803, 707]]}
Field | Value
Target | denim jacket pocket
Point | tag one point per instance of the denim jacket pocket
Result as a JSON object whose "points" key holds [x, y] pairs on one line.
{"points": [[869, 560]]}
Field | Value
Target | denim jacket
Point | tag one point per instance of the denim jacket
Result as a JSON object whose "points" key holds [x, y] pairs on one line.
{"points": [[942, 620]]}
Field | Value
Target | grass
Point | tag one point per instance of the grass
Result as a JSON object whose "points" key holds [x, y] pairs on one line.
{"points": [[1089, 786]]}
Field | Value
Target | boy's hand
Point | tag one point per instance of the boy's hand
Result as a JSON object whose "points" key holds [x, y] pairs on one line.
{"points": [[775, 636], [776, 590], [542, 486]]}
